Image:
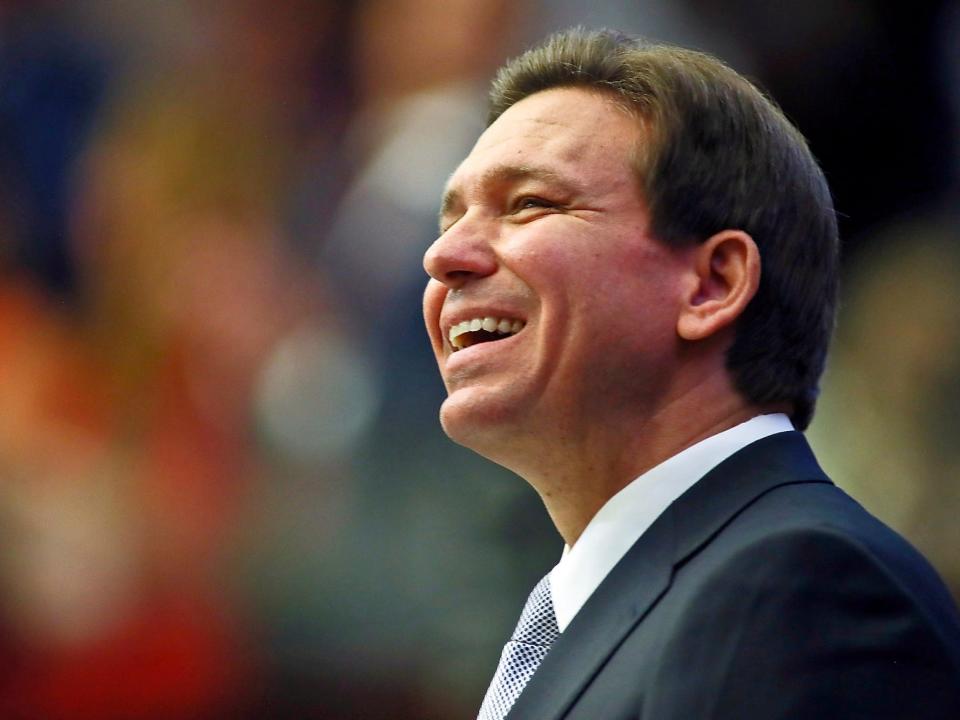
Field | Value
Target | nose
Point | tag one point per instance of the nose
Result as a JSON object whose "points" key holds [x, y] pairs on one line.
{"points": [[460, 255]]}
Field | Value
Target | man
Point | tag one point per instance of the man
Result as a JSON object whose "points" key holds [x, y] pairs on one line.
{"points": [[630, 302]]}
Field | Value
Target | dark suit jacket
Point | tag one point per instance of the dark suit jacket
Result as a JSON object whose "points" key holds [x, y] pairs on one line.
{"points": [[763, 592]]}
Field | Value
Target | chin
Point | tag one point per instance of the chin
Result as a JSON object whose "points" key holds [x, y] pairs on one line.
{"points": [[491, 428]]}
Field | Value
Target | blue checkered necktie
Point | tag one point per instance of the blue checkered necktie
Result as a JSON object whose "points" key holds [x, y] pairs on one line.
{"points": [[531, 641]]}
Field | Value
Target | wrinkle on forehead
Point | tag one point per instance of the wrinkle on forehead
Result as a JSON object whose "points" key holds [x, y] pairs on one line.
{"points": [[530, 128]]}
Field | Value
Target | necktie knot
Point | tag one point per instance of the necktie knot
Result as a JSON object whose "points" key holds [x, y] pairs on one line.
{"points": [[538, 622], [531, 639]]}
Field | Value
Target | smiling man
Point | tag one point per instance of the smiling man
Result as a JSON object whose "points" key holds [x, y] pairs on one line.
{"points": [[630, 303]]}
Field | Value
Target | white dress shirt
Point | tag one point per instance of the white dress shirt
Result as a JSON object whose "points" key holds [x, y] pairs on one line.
{"points": [[628, 514]]}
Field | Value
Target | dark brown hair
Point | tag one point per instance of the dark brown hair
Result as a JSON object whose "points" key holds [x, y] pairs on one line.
{"points": [[716, 154]]}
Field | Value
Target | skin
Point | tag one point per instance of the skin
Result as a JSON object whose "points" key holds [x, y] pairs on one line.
{"points": [[621, 361]]}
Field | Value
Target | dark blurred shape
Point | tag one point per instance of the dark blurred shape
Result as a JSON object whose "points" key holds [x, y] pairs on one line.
{"points": [[52, 82], [891, 407], [864, 81]]}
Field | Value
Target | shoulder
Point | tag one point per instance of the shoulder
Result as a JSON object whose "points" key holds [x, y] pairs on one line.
{"points": [[806, 601], [807, 541]]}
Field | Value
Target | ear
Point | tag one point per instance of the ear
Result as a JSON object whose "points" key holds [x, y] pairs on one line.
{"points": [[724, 277]]}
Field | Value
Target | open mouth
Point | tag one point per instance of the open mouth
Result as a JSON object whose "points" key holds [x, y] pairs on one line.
{"points": [[481, 330]]}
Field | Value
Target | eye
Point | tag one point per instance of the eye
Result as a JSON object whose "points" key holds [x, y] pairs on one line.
{"points": [[529, 202]]}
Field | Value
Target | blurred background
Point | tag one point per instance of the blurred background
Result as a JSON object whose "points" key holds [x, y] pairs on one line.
{"points": [[223, 488]]}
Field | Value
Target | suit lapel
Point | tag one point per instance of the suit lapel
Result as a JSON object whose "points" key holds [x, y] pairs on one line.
{"points": [[617, 605], [701, 512], [644, 574]]}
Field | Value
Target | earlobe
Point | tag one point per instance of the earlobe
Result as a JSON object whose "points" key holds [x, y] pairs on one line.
{"points": [[725, 274]]}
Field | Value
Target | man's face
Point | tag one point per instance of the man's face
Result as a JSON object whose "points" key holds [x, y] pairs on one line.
{"points": [[545, 244]]}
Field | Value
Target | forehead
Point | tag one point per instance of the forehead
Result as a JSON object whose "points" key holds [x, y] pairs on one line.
{"points": [[569, 132]]}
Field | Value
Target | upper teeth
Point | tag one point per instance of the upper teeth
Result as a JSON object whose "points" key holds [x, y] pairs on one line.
{"points": [[503, 326]]}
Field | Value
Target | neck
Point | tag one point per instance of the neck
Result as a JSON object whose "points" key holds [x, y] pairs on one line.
{"points": [[582, 468]]}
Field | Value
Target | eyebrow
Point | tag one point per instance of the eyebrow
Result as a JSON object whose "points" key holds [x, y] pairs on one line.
{"points": [[503, 174]]}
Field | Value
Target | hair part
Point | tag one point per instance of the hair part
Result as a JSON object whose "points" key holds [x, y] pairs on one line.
{"points": [[716, 154]]}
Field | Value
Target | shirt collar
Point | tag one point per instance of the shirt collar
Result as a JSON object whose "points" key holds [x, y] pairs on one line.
{"points": [[628, 514]]}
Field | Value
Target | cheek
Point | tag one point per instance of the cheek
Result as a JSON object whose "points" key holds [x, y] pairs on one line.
{"points": [[625, 304], [561, 263]]}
